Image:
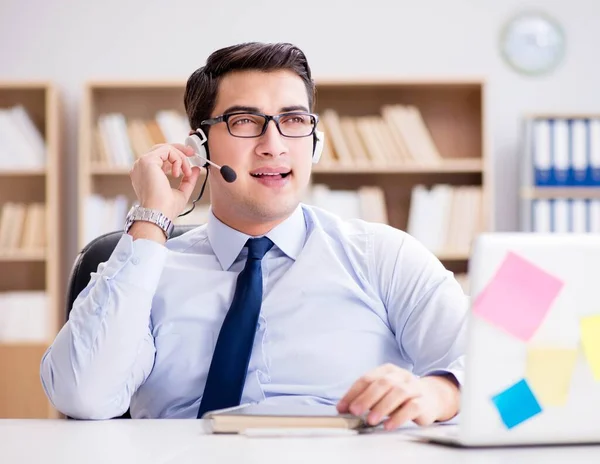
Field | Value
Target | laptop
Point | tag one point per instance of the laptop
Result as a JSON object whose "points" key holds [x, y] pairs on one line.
{"points": [[532, 374]]}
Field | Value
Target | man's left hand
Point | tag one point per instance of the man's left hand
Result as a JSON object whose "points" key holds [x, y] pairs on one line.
{"points": [[398, 395]]}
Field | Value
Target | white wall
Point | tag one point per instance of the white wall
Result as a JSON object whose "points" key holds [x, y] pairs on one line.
{"points": [[70, 42]]}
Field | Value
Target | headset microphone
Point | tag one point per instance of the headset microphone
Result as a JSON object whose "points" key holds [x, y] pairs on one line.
{"points": [[200, 159], [228, 173]]}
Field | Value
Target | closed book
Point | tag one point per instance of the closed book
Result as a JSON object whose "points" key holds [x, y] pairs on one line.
{"points": [[240, 418]]}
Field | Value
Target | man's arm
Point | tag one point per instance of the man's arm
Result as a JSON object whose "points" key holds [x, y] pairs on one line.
{"points": [[106, 351], [427, 311]]}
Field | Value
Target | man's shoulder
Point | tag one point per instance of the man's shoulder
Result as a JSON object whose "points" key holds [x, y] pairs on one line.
{"points": [[342, 228]]}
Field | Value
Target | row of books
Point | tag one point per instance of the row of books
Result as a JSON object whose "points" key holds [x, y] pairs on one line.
{"points": [[107, 214], [446, 218], [396, 136], [367, 202], [22, 145], [120, 140], [563, 152], [22, 227], [562, 215], [23, 316]]}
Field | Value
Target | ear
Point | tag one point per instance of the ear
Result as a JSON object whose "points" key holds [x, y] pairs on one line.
{"points": [[197, 140], [319, 140]]}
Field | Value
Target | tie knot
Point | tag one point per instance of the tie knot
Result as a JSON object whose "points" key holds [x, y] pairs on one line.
{"points": [[258, 247]]}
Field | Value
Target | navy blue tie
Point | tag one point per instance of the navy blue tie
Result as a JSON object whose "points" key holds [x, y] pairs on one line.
{"points": [[229, 365]]}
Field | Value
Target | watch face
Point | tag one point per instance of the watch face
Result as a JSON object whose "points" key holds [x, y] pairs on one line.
{"points": [[532, 43]]}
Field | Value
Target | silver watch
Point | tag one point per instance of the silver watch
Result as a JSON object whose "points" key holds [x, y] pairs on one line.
{"points": [[138, 213]]}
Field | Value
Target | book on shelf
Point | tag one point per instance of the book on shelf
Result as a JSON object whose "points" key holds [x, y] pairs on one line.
{"points": [[463, 280], [395, 137], [367, 202], [563, 152], [22, 228], [104, 215], [22, 145], [23, 316], [446, 218], [119, 140], [564, 215], [107, 214]]}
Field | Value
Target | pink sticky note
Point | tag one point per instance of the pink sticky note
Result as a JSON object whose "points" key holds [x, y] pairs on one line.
{"points": [[518, 297]]}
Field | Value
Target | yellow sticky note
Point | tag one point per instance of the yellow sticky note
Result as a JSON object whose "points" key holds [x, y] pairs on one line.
{"points": [[590, 339], [549, 372]]}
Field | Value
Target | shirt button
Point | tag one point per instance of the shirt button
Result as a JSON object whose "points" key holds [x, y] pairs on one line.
{"points": [[122, 256], [135, 260]]}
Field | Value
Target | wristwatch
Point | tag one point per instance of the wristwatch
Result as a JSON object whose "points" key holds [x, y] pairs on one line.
{"points": [[138, 213]]}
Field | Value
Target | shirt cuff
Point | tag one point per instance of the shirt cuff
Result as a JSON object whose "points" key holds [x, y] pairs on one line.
{"points": [[138, 262], [455, 374]]}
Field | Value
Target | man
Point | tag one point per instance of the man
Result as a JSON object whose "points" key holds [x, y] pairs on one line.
{"points": [[319, 310]]}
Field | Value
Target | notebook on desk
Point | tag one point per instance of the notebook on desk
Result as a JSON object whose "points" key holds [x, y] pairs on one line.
{"points": [[240, 418]]}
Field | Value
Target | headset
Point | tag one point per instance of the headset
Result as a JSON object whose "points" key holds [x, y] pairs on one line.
{"points": [[198, 141]]}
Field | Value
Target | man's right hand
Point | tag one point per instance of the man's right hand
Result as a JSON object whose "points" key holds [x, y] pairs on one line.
{"points": [[151, 184]]}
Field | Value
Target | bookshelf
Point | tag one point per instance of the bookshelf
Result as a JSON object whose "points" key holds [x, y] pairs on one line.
{"points": [[451, 150], [560, 173], [30, 296]]}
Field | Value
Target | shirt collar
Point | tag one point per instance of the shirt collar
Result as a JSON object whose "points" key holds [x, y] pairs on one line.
{"points": [[227, 243]]}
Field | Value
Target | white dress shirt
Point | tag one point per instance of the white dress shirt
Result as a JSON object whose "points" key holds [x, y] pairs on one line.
{"points": [[340, 298]]}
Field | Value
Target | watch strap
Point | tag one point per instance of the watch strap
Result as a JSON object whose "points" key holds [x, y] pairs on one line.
{"points": [[139, 213]]}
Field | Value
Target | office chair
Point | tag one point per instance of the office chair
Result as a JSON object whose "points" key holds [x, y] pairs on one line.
{"points": [[87, 261]]}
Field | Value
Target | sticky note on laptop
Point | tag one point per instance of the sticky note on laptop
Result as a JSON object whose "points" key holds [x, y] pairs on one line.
{"points": [[518, 297], [549, 373], [590, 340], [516, 404]]}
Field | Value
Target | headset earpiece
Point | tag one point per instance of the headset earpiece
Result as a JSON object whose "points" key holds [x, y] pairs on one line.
{"points": [[198, 142], [319, 140]]}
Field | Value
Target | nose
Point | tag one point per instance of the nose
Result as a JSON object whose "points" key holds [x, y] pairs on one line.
{"points": [[272, 143]]}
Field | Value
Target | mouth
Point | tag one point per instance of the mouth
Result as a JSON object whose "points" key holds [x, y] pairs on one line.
{"points": [[270, 175], [272, 178]]}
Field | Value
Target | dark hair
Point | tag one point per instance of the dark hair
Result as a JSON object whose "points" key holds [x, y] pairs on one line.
{"points": [[202, 86]]}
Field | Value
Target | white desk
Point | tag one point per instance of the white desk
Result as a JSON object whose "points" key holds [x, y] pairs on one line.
{"points": [[186, 441]]}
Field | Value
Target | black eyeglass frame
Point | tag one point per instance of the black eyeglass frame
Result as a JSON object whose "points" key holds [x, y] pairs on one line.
{"points": [[268, 118]]}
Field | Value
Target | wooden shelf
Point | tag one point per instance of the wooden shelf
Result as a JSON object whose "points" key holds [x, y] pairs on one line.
{"points": [[453, 256], [21, 394], [561, 192], [22, 172], [109, 171], [20, 255], [447, 166]]}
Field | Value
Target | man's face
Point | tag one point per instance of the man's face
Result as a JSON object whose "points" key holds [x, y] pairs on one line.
{"points": [[256, 196]]}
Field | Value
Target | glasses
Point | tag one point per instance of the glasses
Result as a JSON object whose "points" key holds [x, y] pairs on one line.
{"points": [[248, 125]]}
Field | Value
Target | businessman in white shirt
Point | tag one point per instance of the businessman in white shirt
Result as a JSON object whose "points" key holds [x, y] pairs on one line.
{"points": [[319, 310]]}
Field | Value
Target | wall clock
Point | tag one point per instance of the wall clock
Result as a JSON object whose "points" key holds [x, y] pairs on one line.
{"points": [[532, 43]]}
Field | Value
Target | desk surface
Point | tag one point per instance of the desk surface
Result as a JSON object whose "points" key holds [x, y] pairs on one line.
{"points": [[186, 441]]}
